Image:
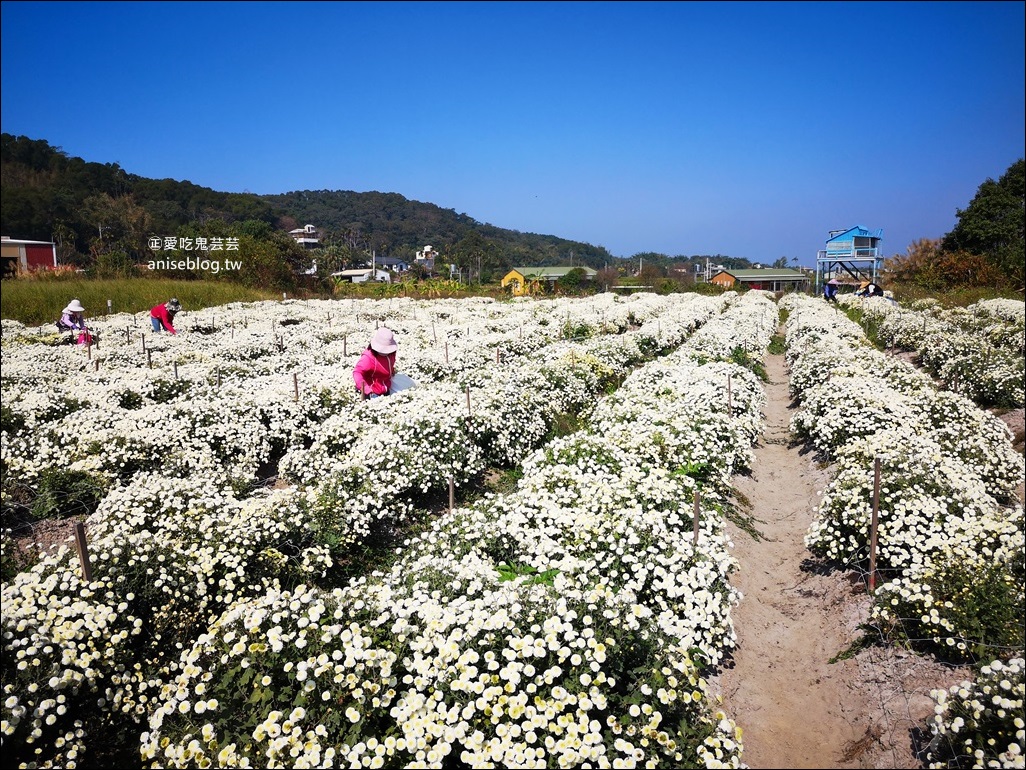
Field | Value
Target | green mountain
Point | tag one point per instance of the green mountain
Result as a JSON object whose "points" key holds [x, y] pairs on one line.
{"points": [[100, 215]]}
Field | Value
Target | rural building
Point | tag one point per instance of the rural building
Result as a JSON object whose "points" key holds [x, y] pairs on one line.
{"points": [[768, 278], [363, 275], [853, 256], [306, 236], [21, 256], [394, 264], [426, 258], [529, 280]]}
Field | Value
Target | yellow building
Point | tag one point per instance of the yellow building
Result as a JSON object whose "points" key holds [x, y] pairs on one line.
{"points": [[523, 281]]}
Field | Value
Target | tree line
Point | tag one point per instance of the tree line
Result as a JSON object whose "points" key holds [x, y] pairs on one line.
{"points": [[985, 248], [104, 219]]}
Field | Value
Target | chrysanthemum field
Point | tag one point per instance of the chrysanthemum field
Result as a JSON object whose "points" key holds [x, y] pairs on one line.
{"points": [[278, 578]]}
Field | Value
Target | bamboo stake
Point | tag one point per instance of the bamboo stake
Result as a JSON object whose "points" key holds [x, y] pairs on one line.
{"points": [[295, 385], [452, 493], [83, 552], [698, 508], [874, 525]]}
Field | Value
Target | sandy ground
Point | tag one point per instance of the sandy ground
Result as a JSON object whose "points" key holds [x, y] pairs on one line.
{"points": [[795, 707]]}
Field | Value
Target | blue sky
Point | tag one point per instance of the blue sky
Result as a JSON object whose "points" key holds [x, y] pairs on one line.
{"points": [[746, 129]]}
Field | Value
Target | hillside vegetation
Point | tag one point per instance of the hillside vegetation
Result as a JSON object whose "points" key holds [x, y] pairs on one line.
{"points": [[104, 219]]}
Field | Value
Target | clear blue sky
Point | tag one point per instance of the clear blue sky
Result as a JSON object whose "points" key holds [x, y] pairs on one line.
{"points": [[747, 129]]}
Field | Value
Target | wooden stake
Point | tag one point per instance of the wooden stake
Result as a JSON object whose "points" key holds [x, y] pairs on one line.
{"points": [[874, 525], [698, 508], [452, 493], [730, 397], [469, 413], [175, 369], [83, 553], [149, 359], [447, 351], [295, 385]]}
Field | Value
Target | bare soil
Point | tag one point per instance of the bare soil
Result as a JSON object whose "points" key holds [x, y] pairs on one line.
{"points": [[797, 709]]}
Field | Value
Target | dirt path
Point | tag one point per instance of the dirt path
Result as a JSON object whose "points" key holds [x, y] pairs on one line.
{"points": [[796, 709]]}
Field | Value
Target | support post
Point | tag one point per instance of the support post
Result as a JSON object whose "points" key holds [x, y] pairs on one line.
{"points": [[698, 511], [874, 525], [83, 553]]}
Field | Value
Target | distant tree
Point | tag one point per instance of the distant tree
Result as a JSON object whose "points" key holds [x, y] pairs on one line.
{"points": [[992, 226], [780, 262], [651, 275], [927, 265], [606, 277], [571, 282], [121, 224]]}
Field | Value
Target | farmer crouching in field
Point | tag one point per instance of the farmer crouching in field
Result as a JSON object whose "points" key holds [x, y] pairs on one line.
{"points": [[73, 320], [830, 290], [373, 372], [163, 316]]}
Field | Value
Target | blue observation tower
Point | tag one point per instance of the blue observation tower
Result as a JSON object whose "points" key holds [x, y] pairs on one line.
{"points": [[850, 254]]}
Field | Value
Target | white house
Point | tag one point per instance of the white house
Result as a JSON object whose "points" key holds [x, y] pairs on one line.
{"points": [[363, 275], [306, 236], [426, 258]]}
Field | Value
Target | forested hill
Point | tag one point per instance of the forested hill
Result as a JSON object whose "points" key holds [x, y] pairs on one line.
{"points": [[102, 212], [395, 226]]}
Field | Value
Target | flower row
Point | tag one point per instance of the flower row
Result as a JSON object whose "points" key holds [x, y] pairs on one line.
{"points": [[170, 551], [950, 535], [976, 351], [561, 624]]}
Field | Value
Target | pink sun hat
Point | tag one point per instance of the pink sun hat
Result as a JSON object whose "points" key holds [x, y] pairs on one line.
{"points": [[383, 341]]}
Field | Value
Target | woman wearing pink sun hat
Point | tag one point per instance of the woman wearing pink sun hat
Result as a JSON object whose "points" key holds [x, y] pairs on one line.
{"points": [[373, 372]]}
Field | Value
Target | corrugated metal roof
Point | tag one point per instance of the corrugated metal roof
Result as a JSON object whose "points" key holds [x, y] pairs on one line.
{"points": [[767, 273], [551, 272]]}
